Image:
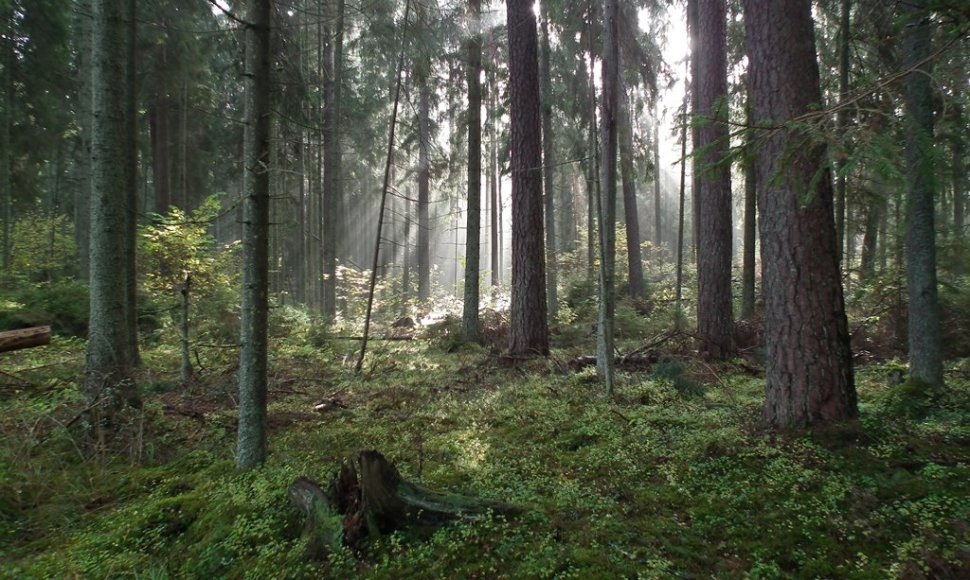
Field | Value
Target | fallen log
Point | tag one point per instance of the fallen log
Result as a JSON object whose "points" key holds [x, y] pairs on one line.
{"points": [[25, 338], [368, 498]]}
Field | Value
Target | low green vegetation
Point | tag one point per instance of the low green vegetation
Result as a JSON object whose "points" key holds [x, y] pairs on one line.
{"points": [[674, 478]]}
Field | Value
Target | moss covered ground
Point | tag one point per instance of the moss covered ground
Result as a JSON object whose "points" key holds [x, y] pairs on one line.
{"points": [[675, 477]]}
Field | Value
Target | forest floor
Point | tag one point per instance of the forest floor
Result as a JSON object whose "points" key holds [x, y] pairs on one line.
{"points": [[674, 477]]}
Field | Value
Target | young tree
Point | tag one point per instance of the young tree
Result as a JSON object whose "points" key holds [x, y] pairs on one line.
{"points": [[809, 364], [110, 353], [715, 325], [529, 332], [925, 340], [609, 113], [421, 75], [332, 188], [251, 445], [750, 167], [473, 48]]}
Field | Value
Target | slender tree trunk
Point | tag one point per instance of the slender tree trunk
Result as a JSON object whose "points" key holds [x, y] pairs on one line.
{"points": [[925, 339], [82, 196], [715, 325], [692, 27], [843, 122], [110, 358], [594, 187], [494, 172], [809, 364], [609, 113], [131, 179], [424, 190], [251, 448], [657, 176], [635, 261], [331, 156], [185, 369], [549, 166], [870, 236], [679, 284], [750, 215], [473, 226], [529, 332], [958, 142]]}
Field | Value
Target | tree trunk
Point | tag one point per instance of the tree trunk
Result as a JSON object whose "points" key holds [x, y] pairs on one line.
{"points": [[130, 164], [750, 165], [251, 448], [110, 358], [925, 341], [6, 183], [657, 176], [809, 364], [424, 179], [870, 236], [549, 167], [470, 327], [333, 31], [609, 113], [528, 332], [958, 142], [494, 171], [679, 283], [715, 325], [82, 196], [843, 122], [185, 369], [630, 211]]}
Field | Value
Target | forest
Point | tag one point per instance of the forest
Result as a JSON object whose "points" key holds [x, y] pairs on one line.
{"points": [[484, 289]]}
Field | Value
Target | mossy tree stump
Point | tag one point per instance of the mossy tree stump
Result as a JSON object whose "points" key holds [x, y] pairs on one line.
{"points": [[368, 498]]}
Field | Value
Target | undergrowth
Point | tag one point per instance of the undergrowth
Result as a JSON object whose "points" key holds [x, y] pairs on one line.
{"points": [[673, 478]]}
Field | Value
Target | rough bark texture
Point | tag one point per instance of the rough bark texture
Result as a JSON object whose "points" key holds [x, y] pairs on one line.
{"points": [[609, 104], [548, 167], [82, 196], [715, 324], [529, 332], [630, 211], [809, 365], [6, 185], [109, 355], [925, 342], [251, 447], [25, 338], [959, 147], [130, 164], [473, 228]]}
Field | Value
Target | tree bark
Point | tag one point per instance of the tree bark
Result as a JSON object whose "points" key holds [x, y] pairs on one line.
{"points": [[251, 447], [25, 338], [925, 338], [110, 358], [424, 179], [657, 176], [609, 103], [470, 326], [529, 332], [750, 215], [843, 122], [958, 142], [548, 166], [333, 31], [637, 288], [715, 325], [809, 364]]}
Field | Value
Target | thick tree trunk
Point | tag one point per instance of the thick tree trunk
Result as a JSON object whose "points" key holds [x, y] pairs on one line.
{"points": [[110, 358], [959, 147], [82, 195], [251, 448], [529, 332], [470, 326], [6, 183], [130, 163], [549, 167], [609, 113], [630, 210], [925, 338], [715, 325], [809, 364]]}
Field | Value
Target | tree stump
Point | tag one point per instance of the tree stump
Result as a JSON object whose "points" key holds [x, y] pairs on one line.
{"points": [[368, 498]]}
